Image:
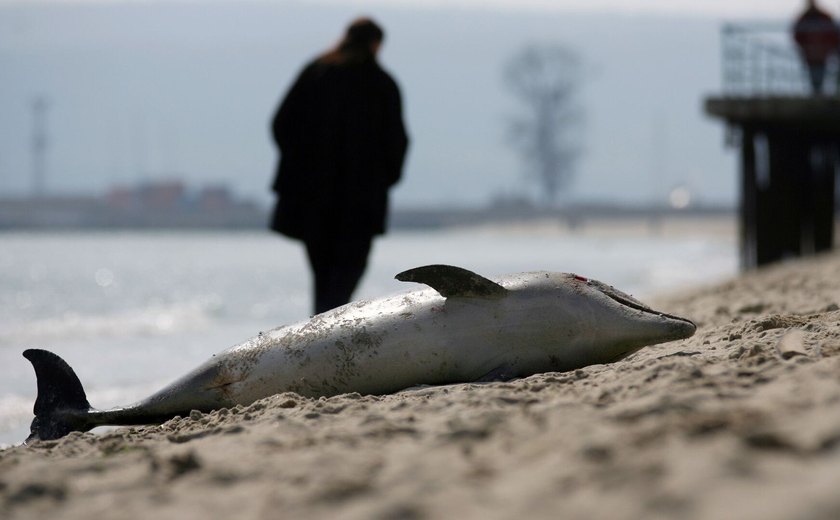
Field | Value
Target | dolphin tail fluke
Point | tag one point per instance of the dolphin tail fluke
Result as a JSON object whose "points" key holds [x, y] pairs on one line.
{"points": [[61, 406]]}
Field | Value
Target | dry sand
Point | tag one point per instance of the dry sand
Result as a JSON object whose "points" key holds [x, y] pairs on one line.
{"points": [[740, 421]]}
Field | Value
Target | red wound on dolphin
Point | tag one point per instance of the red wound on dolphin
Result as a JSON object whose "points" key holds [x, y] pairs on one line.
{"points": [[580, 278]]}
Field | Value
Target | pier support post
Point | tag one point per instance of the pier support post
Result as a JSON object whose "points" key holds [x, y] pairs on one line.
{"points": [[789, 160]]}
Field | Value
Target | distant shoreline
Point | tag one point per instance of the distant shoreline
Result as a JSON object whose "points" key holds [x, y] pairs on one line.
{"points": [[91, 213]]}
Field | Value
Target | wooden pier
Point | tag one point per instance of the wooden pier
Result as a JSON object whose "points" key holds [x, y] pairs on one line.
{"points": [[789, 158]]}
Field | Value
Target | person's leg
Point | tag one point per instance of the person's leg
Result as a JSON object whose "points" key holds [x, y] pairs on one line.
{"points": [[817, 76], [337, 266], [320, 263], [349, 268]]}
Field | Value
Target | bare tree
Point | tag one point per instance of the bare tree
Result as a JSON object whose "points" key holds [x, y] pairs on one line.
{"points": [[545, 79]]}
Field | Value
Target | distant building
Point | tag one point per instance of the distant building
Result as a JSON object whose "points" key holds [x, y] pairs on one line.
{"points": [[158, 204], [165, 195], [215, 198]]}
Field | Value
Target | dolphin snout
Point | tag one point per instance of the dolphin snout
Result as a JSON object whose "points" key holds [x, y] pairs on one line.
{"points": [[679, 328]]}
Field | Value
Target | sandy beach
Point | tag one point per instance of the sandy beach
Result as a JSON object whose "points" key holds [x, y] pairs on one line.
{"points": [[740, 421]]}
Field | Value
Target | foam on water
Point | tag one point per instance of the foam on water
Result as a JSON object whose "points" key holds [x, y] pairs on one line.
{"points": [[133, 311], [156, 320]]}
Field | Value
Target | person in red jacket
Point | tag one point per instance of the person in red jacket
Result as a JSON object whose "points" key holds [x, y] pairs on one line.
{"points": [[818, 38], [342, 145]]}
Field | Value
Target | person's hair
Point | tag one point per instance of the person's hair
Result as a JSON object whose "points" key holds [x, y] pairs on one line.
{"points": [[357, 44]]}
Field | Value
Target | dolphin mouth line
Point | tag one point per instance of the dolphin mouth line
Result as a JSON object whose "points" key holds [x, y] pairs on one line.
{"points": [[629, 301], [648, 310]]}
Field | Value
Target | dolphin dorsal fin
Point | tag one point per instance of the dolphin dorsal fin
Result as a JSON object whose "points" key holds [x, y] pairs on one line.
{"points": [[450, 281]]}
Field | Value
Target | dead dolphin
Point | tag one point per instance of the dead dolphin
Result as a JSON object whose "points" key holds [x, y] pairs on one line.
{"points": [[466, 328]]}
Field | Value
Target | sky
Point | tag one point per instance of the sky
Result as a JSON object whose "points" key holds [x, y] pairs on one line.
{"points": [[750, 8], [143, 90]]}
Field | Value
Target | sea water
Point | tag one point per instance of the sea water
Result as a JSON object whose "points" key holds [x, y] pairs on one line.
{"points": [[132, 311]]}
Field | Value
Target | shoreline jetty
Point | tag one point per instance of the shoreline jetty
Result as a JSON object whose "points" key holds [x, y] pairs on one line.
{"points": [[741, 421]]}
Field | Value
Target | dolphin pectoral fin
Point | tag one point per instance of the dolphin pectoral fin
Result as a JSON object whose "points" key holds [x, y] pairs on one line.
{"points": [[452, 281], [500, 373]]}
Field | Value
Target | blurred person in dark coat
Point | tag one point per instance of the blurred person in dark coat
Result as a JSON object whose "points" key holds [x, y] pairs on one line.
{"points": [[817, 37], [342, 145]]}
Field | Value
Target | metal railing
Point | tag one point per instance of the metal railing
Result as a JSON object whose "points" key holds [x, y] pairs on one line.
{"points": [[761, 59]]}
